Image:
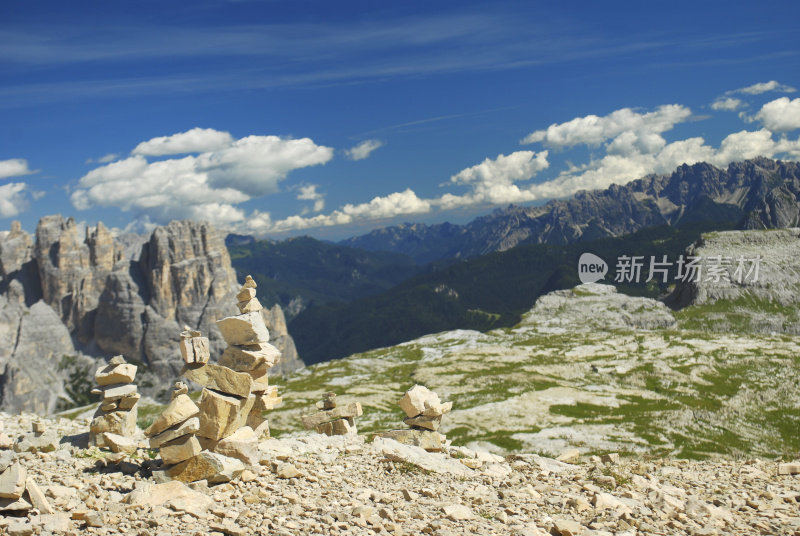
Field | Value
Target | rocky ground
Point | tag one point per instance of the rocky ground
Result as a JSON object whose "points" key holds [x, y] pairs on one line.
{"points": [[314, 484]]}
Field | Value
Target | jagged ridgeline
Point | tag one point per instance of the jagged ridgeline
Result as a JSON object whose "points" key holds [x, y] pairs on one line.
{"points": [[487, 273], [70, 300]]}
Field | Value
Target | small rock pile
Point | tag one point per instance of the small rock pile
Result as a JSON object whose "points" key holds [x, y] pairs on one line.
{"points": [[424, 412], [118, 411], [332, 420], [18, 492], [39, 439], [250, 353], [213, 439]]}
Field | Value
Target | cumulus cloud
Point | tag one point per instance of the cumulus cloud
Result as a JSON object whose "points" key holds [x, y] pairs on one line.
{"points": [[780, 115], [492, 181], [363, 149], [205, 186], [15, 167], [256, 164], [309, 192], [196, 140], [634, 145], [381, 207], [764, 87], [12, 199], [728, 104], [641, 129]]}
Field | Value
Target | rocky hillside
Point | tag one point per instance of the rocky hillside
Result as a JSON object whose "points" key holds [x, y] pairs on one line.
{"points": [[768, 301], [759, 193], [314, 484], [67, 301], [587, 368]]}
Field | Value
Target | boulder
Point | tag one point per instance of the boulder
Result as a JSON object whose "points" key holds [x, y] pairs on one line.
{"points": [[221, 415], [436, 463], [243, 329], [210, 466], [119, 443], [251, 357], [414, 400], [428, 440], [112, 393], [242, 445], [179, 409], [180, 449], [219, 378], [423, 421], [12, 482], [190, 426], [115, 374], [33, 494]]}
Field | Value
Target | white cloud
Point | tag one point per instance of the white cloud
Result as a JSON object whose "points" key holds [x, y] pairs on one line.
{"points": [[309, 192], [780, 115], [256, 164], [363, 149], [764, 87], [492, 181], [728, 104], [641, 129], [206, 186], [381, 207], [110, 157], [196, 140], [12, 199], [15, 167]]}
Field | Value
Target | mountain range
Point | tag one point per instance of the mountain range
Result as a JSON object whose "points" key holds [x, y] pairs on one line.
{"points": [[487, 273], [758, 193]]}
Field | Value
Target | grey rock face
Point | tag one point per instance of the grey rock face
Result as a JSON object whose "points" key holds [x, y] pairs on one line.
{"points": [[61, 295], [768, 295], [31, 380], [759, 193], [593, 306]]}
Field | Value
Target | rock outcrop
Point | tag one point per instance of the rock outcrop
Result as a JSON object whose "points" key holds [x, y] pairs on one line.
{"points": [[69, 301], [755, 272]]}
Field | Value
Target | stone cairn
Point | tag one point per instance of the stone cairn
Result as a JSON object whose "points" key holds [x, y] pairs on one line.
{"points": [[332, 420], [212, 439], [114, 421], [424, 412]]}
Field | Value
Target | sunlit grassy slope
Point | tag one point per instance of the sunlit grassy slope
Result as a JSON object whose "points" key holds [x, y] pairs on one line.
{"points": [[574, 374]]}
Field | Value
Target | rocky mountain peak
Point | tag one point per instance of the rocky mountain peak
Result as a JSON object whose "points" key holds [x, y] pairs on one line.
{"points": [[71, 299], [757, 193], [186, 263]]}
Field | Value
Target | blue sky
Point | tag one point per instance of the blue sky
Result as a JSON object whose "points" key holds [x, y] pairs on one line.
{"points": [[331, 118]]}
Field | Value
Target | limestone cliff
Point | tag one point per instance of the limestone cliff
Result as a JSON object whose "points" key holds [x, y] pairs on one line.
{"points": [[88, 298], [759, 283]]}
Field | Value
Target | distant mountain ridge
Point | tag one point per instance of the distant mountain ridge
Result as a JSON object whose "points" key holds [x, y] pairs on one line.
{"points": [[303, 271], [758, 193]]}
